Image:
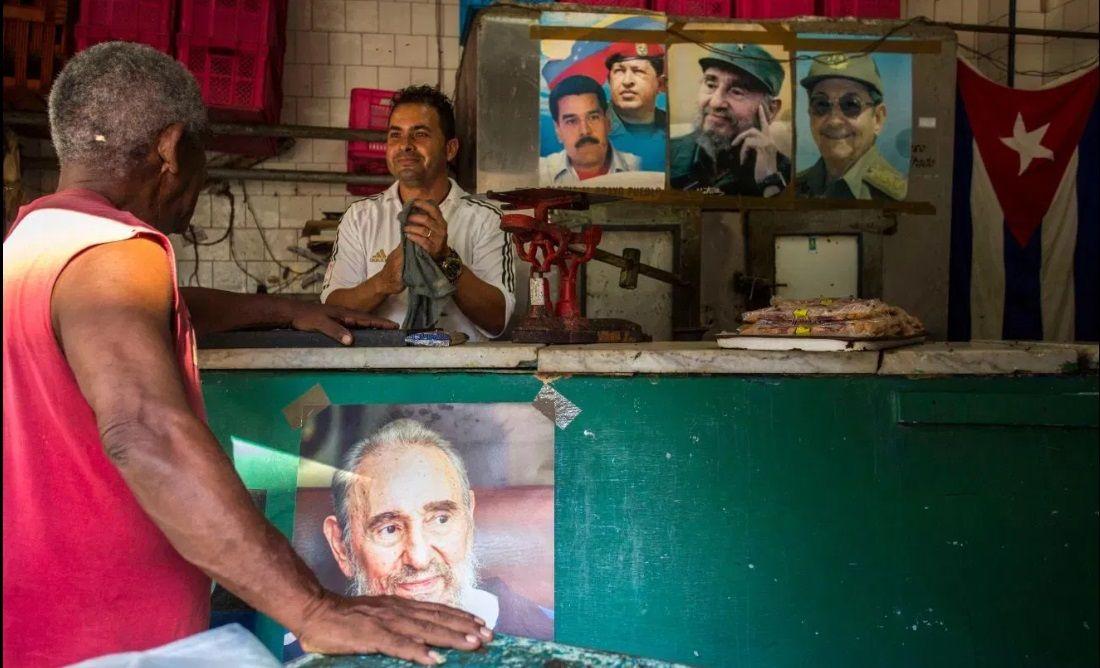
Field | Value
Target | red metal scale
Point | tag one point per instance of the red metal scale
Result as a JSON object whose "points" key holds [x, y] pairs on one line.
{"points": [[547, 246]]}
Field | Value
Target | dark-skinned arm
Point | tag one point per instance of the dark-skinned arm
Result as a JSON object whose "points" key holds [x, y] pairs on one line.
{"points": [[221, 311], [111, 310]]}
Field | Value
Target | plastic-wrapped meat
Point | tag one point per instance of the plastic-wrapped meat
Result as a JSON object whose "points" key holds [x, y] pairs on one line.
{"points": [[820, 310], [865, 328]]}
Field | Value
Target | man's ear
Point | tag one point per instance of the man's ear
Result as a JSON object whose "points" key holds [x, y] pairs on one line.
{"points": [[662, 83], [880, 118], [169, 148], [452, 149], [773, 109], [335, 538]]}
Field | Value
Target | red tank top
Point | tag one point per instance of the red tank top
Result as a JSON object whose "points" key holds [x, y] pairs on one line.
{"points": [[86, 572]]}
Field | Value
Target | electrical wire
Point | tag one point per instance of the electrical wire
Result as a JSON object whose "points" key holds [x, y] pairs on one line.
{"points": [[1003, 66], [824, 57]]}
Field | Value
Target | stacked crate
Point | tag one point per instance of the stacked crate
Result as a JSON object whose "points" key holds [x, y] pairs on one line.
{"points": [[36, 45], [149, 22], [369, 110], [863, 9], [773, 9], [235, 50], [694, 8]]}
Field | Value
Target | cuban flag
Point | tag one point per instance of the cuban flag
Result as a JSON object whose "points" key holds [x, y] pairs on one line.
{"points": [[1025, 211]]}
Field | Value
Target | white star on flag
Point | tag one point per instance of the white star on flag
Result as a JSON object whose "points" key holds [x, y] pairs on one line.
{"points": [[1027, 144]]}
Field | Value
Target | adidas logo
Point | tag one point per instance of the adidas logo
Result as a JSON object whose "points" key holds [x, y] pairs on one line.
{"points": [[379, 256]]}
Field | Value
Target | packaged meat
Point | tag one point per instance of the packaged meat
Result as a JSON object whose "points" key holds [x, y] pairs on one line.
{"points": [[833, 318], [820, 310]]}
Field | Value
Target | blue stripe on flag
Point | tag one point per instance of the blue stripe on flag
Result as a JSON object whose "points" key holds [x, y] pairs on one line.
{"points": [[1023, 315], [962, 242], [1086, 256]]}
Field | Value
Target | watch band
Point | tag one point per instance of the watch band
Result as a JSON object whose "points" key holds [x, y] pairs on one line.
{"points": [[451, 266]]}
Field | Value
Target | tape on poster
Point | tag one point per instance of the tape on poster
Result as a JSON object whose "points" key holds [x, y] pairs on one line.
{"points": [[556, 406], [310, 403]]}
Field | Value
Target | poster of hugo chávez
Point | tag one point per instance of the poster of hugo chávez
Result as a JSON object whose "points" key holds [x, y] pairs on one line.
{"points": [[603, 113], [731, 119], [447, 503], [854, 124]]}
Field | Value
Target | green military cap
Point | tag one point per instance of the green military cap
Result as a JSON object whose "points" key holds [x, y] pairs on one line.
{"points": [[750, 58], [857, 67]]}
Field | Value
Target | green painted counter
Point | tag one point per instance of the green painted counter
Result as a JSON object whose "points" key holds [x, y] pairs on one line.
{"points": [[858, 520]]}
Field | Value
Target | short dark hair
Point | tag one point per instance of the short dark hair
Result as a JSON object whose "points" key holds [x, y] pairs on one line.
{"points": [[434, 98], [578, 84]]}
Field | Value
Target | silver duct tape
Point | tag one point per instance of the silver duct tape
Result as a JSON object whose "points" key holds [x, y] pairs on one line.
{"points": [[556, 406], [310, 403]]}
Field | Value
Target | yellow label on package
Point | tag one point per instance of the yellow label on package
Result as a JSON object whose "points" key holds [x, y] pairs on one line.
{"points": [[826, 301], [802, 330], [800, 314]]}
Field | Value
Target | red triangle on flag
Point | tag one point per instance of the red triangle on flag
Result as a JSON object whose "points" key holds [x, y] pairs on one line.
{"points": [[1025, 139]]}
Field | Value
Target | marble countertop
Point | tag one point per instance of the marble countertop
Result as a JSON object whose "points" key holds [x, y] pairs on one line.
{"points": [[675, 357], [466, 356]]}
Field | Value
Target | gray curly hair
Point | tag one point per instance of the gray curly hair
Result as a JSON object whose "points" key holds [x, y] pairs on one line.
{"points": [[112, 100]]}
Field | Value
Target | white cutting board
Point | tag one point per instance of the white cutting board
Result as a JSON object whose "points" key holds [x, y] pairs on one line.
{"points": [[738, 342]]}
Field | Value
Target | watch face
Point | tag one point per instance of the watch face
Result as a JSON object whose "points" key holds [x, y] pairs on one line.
{"points": [[452, 265]]}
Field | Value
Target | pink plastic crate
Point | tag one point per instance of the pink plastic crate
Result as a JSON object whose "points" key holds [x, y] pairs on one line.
{"points": [[773, 9], [88, 35], [864, 9], [632, 4], [716, 8], [233, 22], [146, 21], [369, 110], [243, 80]]}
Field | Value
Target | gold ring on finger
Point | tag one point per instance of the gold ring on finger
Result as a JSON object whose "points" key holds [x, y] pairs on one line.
{"points": [[429, 233]]}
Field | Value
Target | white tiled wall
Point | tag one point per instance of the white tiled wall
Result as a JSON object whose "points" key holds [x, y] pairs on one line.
{"points": [[1034, 55], [332, 47]]}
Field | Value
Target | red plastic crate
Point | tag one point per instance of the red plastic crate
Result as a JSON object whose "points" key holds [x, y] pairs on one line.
{"points": [[149, 22], [361, 165], [233, 22], [631, 4], [369, 110], [864, 9], [89, 35], [773, 9], [716, 8], [33, 55], [242, 80]]}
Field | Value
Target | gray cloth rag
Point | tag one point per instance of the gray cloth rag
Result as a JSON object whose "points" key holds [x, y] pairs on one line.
{"points": [[428, 287]]}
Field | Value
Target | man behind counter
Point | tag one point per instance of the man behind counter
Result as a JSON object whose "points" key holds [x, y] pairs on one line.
{"points": [[119, 503], [461, 233]]}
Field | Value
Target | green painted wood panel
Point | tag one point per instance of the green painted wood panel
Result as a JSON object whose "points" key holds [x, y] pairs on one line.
{"points": [[783, 521]]}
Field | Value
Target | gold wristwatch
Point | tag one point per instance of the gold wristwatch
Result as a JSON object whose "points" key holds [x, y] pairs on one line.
{"points": [[451, 266]]}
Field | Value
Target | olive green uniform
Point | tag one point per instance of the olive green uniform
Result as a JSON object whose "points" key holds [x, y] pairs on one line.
{"points": [[871, 177]]}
